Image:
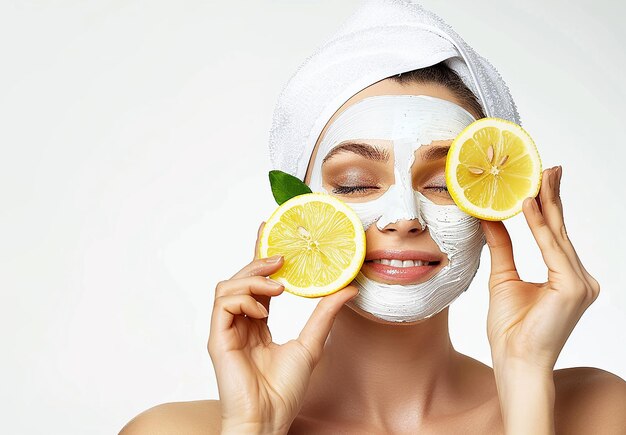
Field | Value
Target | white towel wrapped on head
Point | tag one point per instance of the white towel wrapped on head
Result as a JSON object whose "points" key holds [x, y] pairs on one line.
{"points": [[381, 39]]}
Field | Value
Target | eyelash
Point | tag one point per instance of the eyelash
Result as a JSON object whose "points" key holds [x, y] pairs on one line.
{"points": [[347, 190], [438, 188]]}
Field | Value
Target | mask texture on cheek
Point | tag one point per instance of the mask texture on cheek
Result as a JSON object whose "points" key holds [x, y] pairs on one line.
{"points": [[460, 237]]}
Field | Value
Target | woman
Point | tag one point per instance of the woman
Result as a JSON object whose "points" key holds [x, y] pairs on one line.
{"points": [[363, 365]]}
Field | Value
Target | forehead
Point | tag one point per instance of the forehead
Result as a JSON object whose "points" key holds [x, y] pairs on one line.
{"points": [[383, 87], [410, 118], [390, 87]]}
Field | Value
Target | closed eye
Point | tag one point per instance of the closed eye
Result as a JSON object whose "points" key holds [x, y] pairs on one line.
{"points": [[347, 190], [437, 188]]}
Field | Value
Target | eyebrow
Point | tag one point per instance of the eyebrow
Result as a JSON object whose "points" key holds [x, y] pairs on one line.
{"points": [[362, 149], [435, 152]]}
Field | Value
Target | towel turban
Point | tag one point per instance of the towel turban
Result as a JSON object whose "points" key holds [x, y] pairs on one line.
{"points": [[382, 38]]}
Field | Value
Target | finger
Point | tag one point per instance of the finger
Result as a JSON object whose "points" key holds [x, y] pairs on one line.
{"points": [[314, 334], [258, 240], [226, 308], [253, 285], [261, 267], [538, 197], [553, 255], [553, 214], [562, 231], [539, 204], [569, 247], [501, 252], [552, 209], [545, 192]]}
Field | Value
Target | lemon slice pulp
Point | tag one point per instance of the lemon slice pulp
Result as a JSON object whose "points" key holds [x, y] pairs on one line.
{"points": [[322, 241], [492, 166]]}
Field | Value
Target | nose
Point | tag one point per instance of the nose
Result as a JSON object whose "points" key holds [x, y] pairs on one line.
{"points": [[404, 227]]}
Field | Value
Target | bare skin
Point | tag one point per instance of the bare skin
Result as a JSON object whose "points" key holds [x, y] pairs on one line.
{"points": [[350, 373], [588, 400]]}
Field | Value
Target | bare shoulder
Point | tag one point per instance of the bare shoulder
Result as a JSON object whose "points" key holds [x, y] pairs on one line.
{"points": [[196, 417], [589, 400]]}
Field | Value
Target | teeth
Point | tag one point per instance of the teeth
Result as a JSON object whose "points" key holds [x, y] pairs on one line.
{"points": [[400, 263]]}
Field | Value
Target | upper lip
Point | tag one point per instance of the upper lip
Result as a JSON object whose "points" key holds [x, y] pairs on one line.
{"points": [[402, 255]]}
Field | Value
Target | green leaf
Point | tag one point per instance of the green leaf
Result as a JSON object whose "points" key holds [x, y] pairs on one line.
{"points": [[285, 186]]}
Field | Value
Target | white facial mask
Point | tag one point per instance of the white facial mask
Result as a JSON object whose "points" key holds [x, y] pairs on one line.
{"points": [[409, 121]]}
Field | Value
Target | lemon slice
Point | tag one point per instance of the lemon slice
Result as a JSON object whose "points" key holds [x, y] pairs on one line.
{"points": [[492, 166], [322, 241]]}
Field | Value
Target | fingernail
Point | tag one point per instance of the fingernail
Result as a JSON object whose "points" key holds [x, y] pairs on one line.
{"points": [[272, 260], [273, 283], [262, 309]]}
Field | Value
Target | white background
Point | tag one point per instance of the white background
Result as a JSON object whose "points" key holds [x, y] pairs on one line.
{"points": [[133, 177]]}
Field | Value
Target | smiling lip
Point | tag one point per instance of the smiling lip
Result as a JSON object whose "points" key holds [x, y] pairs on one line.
{"points": [[415, 266]]}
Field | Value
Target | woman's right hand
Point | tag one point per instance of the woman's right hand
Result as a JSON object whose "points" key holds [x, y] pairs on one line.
{"points": [[262, 384]]}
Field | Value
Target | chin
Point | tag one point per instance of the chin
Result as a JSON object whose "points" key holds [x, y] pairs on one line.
{"points": [[378, 320]]}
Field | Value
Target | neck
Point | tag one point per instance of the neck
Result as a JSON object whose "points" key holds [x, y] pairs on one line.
{"points": [[368, 365]]}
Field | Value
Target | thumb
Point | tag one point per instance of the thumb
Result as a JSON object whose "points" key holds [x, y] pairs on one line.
{"points": [[501, 252], [314, 334]]}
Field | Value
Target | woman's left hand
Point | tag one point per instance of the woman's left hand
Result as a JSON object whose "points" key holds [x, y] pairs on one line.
{"points": [[528, 323]]}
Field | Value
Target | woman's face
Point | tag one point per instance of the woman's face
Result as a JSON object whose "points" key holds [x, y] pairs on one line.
{"points": [[402, 252]]}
